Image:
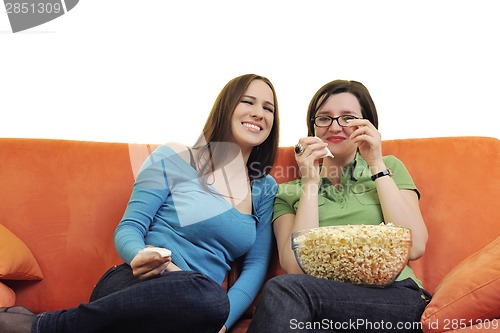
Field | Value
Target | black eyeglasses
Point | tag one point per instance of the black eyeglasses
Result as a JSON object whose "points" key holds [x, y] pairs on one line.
{"points": [[327, 121]]}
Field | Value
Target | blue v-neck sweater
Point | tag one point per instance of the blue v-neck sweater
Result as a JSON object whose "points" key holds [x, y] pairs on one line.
{"points": [[169, 208]]}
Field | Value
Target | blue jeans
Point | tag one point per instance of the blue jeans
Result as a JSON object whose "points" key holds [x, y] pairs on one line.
{"points": [[302, 303], [181, 301]]}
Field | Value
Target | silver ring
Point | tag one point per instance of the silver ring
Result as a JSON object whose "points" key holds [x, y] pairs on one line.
{"points": [[299, 149]]}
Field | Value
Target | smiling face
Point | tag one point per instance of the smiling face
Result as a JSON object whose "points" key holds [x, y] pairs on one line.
{"points": [[335, 135], [253, 117]]}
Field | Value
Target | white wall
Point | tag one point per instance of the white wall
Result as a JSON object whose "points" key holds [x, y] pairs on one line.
{"points": [[148, 71]]}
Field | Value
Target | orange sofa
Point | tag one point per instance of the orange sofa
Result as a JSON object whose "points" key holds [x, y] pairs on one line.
{"points": [[60, 201]]}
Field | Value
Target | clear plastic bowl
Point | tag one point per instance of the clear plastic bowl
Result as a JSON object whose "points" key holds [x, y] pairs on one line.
{"points": [[368, 255]]}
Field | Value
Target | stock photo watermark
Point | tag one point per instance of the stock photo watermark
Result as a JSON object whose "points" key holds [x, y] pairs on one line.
{"points": [[26, 14], [363, 325]]}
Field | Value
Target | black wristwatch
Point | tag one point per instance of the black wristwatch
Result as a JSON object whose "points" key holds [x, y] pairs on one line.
{"points": [[386, 172]]}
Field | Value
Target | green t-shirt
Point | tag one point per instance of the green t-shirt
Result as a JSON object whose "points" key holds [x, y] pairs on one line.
{"points": [[354, 202]]}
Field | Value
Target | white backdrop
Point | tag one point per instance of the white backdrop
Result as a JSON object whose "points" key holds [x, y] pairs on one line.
{"points": [[148, 71]]}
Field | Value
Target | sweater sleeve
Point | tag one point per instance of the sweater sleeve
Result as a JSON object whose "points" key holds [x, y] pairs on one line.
{"points": [[149, 193], [256, 261]]}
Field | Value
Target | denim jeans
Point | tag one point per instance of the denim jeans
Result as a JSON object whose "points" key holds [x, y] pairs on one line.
{"points": [[302, 303], [177, 302]]}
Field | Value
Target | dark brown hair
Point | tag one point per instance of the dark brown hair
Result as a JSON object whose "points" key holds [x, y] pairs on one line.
{"points": [[368, 109], [218, 125]]}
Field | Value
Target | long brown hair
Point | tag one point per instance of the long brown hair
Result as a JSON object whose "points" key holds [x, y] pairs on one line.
{"points": [[368, 109], [216, 130]]}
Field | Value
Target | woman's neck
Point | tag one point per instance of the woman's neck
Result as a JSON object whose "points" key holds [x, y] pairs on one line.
{"points": [[231, 180], [245, 154]]}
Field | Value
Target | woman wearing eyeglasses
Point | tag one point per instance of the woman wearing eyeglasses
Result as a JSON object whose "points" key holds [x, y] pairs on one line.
{"points": [[193, 211], [356, 186]]}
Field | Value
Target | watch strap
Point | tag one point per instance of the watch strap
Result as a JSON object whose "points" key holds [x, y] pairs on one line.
{"points": [[386, 172]]}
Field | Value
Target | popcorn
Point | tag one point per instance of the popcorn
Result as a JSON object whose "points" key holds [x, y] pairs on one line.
{"points": [[357, 254]]}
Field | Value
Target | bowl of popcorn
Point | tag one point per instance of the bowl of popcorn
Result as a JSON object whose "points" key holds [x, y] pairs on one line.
{"points": [[369, 255]]}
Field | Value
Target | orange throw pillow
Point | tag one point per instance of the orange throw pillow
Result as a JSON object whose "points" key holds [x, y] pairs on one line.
{"points": [[16, 260], [7, 296], [468, 295]]}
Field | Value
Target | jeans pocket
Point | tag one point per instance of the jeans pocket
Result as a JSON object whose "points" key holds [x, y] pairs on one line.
{"points": [[423, 295], [95, 292], [426, 295], [114, 279]]}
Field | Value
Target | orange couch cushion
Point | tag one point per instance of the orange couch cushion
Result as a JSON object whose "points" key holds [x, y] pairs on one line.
{"points": [[7, 296], [16, 260], [468, 295]]}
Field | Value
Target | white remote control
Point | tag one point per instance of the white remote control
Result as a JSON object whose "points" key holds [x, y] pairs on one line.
{"points": [[162, 251]]}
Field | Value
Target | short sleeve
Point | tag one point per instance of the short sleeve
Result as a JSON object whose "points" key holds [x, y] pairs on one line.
{"points": [[401, 176], [286, 197]]}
